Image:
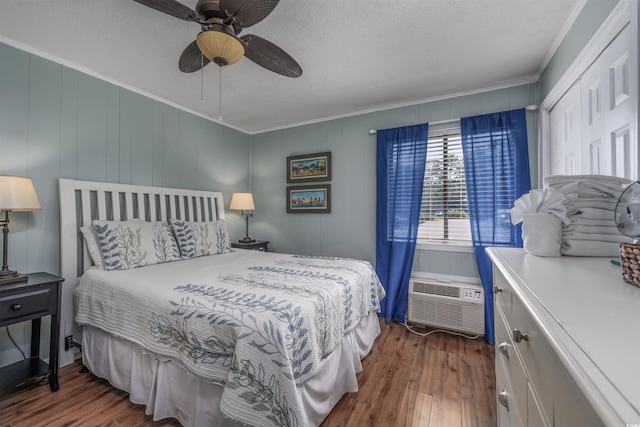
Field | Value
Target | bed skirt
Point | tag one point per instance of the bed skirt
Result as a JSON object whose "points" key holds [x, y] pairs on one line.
{"points": [[168, 390]]}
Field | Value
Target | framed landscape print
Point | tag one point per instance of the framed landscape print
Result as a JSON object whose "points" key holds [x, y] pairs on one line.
{"points": [[309, 167], [309, 199]]}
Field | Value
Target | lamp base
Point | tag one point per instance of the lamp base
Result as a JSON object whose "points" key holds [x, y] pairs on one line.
{"points": [[8, 276], [246, 239]]}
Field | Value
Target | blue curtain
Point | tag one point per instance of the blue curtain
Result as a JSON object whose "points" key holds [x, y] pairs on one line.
{"points": [[401, 159], [496, 162]]}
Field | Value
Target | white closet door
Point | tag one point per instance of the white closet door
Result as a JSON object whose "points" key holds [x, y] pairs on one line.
{"points": [[606, 120], [591, 125], [618, 124], [566, 134], [594, 87]]}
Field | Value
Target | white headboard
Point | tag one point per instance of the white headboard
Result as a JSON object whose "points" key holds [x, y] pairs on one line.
{"points": [[83, 201]]}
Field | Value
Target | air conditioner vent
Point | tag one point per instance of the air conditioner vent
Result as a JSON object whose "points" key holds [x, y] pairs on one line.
{"points": [[435, 289]]}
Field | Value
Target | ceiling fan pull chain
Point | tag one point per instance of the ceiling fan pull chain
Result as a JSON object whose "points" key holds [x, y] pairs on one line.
{"points": [[220, 87], [201, 78]]}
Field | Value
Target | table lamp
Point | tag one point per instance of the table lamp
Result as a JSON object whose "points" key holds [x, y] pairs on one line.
{"points": [[16, 194], [243, 202]]}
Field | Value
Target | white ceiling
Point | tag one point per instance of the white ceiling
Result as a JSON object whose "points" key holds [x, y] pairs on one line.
{"points": [[356, 55]]}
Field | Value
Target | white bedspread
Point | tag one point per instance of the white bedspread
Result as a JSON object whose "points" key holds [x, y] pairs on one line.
{"points": [[257, 323]]}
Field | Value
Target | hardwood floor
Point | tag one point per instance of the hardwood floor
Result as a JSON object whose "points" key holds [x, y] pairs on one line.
{"points": [[434, 381]]}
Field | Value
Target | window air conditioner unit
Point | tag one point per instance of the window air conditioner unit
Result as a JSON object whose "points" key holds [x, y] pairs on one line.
{"points": [[454, 306]]}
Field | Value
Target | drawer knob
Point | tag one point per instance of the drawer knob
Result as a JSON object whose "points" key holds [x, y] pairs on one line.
{"points": [[503, 348], [16, 307], [503, 399], [519, 336], [496, 290]]}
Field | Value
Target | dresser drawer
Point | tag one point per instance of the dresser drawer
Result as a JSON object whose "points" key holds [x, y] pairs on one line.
{"points": [[507, 409], [507, 356], [502, 293], [570, 406], [554, 392], [27, 304], [540, 360], [535, 414]]}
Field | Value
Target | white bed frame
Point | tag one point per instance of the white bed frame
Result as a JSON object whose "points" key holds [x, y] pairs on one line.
{"points": [[83, 201], [163, 387]]}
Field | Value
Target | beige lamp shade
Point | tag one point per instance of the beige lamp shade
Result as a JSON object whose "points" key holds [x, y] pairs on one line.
{"points": [[216, 44], [17, 194], [242, 202]]}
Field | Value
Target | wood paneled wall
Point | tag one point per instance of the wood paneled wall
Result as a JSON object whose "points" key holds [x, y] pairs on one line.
{"points": [[59, 122]]}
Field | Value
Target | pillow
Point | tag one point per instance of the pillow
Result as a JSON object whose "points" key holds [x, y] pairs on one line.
{"points": [[196, 239], [135, 243], [91, 241]]}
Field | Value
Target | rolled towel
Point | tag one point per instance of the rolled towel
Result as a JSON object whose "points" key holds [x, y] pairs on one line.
{"points": [[589, 248], [541, 234], [539, 201]]}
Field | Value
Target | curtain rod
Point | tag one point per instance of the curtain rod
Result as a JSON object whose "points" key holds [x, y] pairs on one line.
{"points": [[443, 122]]}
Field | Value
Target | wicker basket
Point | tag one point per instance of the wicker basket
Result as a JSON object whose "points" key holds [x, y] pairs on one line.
{"points": [[630, 263]]}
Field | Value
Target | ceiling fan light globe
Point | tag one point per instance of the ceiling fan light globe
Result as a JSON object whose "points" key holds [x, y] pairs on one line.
{"points": [[217, 46]]}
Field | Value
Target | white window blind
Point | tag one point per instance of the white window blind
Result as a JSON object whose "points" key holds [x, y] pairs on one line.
{"points": [[444, 214], [402, 192]]}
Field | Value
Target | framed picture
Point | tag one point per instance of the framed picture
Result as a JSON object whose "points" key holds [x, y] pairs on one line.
{"points": [[309, 167], [309, 199]]}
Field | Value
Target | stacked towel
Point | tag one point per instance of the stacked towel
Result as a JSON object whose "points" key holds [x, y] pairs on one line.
{"points": [[591, 203]]}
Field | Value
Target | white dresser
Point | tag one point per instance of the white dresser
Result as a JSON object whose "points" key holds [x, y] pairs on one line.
{"points": [[567, 341]]}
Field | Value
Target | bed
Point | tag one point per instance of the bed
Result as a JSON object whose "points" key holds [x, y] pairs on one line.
{"points": [[198, 331]]}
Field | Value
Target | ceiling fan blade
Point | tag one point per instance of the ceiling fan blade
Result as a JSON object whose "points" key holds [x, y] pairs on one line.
{"points": [[268, 55], [171, 7], [247, 12], [192, 59]]}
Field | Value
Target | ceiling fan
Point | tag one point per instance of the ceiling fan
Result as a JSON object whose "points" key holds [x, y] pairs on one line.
{"points": [[221, 21]]}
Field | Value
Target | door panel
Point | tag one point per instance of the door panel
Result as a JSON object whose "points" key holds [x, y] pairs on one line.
{"points": [[591, 125], [566, 133]]}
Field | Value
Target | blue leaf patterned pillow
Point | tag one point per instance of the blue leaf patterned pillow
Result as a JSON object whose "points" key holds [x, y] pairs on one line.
{"points": [[135, 243], [196, 239]]}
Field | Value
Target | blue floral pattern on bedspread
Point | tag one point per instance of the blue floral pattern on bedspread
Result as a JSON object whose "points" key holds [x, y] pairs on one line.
{"points": [[263, 331]]}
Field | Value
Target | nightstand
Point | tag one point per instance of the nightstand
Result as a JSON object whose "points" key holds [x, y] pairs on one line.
{"points": [[258, 245], [39, 296]]}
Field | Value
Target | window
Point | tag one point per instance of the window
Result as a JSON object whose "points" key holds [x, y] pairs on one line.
{"points": [[444, 213]]}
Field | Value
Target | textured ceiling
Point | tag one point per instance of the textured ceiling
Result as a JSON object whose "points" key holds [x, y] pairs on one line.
{"points": [[356, 56]]}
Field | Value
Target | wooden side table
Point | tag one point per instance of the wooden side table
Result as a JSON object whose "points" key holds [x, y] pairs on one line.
{"points": [[39, 296], [258, 245]]}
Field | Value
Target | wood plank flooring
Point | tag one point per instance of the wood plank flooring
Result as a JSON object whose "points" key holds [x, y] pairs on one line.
{"points": [[407, 380]]}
